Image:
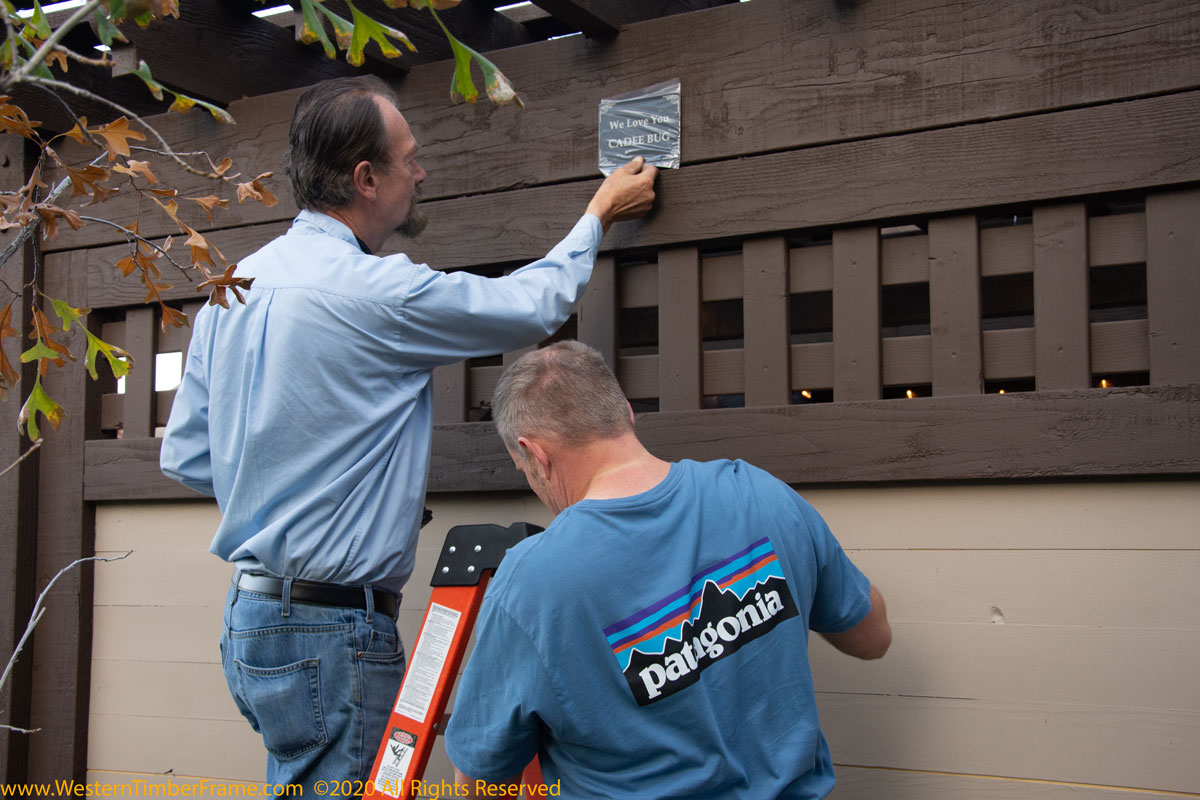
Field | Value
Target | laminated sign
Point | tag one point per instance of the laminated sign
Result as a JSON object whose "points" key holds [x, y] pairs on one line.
{"points": [[642, 123]]}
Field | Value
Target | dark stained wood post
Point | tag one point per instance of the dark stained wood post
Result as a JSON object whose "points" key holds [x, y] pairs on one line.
{"points": [[62, 648], [598, 310], [1173, 286], [1060, 297], [857, 371], [955, 315], [680, 358], [768, 357], [138, 409], [18, 492]]}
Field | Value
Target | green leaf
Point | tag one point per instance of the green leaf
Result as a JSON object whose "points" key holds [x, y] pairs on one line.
{"points": [[313, 29], [143, 72], [116, 356], [106, 31], [38, 22], [499, 90], [41, 70], [368, 30], [184, 104], [343, 31], [40, 350], [38, 403], [68, 314]]}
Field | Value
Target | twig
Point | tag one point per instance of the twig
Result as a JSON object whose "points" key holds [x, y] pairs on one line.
{"points": [[38, 610], [48, 46], [167, 151], [15, 729], [129, 235], [33, 447], [29, 229], [102, 61]]}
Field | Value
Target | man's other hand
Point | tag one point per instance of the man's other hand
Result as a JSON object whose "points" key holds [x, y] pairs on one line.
{"points": [[628, 193]]}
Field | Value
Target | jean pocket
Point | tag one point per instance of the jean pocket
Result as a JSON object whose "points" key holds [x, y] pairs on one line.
{"points": [[286, 703]]}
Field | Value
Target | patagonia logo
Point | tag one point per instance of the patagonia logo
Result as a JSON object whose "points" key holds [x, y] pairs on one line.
{"points": [[664, 648]]}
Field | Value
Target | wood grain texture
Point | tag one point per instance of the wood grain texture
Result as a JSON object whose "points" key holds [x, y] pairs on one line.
{"points": [[450, 393], [1060, 297], [137, 412], [857, 367], [1089, 433], [598, 310], [62, 647], [1046, 741], [1173, 285], [954, 306], [870, 783], [679, 359], [18, 489], [873, 69], [767, 367]]}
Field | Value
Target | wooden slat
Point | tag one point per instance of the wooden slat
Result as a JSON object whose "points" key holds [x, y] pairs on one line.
{"points": [[1076, 434], [905, 259], [856, 314], [1008, 354], [1173, 286], [679, 361], [721, 277], [1060, 297], [598, 310], [955, 314], [450, 393], [810, 269], [1120, 346], [482, 381], [138, 409], [812, 366], [1117, 239], [765, 314], [724, 372], [1006, 251], [638, 376], [639, 286], [906, 360], [1046, 741]]}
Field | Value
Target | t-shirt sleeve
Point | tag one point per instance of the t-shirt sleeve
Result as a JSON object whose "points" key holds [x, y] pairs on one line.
{"points": [[843, 593], [502, 697]]}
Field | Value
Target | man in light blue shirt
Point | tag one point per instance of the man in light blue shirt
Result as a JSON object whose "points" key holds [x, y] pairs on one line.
{"points": [[307, 413]]}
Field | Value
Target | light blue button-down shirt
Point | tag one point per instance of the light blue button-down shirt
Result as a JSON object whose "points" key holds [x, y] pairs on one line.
{"points": [[307, 411]]}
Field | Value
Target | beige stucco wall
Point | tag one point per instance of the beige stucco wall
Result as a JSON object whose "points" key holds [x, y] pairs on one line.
{"points": [[1047, 642]]}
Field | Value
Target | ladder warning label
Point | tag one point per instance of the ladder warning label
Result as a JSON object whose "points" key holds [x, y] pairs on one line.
{"points": [[392, 769], [428, 657]]}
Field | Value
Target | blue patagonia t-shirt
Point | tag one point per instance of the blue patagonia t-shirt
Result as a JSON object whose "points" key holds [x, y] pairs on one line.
{"points": [[657, 645]]}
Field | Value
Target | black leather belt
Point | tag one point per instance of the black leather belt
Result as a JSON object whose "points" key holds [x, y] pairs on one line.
{"points": [[321, 594]]}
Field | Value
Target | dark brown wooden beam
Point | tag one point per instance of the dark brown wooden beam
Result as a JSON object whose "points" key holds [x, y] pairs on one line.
{"points": [[219, 51]]}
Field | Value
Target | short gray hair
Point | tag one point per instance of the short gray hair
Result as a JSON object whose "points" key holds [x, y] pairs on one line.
{"points": [[563, 391], [336, 125]]}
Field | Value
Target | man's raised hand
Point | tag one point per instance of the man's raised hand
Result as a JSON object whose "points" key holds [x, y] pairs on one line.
{"points": [[628, 193]]}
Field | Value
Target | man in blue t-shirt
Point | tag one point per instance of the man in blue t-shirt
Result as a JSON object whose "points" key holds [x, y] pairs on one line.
{"points": [[653, 641]]}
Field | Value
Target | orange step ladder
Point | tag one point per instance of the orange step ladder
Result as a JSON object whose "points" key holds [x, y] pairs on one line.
{"points": [[469, 558]]}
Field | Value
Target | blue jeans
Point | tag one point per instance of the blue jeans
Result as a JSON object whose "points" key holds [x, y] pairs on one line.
{"points": [[317, 682]]}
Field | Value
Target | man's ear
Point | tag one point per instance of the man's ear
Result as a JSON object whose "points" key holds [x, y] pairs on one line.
{"points": [[632, 422], [534, 450], [364, 179]]}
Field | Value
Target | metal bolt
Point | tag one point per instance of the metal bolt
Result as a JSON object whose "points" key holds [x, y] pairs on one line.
{"points": [[471, 568], [478, 548], [445, 570], [453, 549]]}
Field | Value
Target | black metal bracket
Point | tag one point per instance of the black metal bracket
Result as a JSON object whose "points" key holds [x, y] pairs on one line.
{"points": [[471, 550]]}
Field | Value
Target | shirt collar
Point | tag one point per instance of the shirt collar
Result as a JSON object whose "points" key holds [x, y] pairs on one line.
{"points": [[331, 226]]}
